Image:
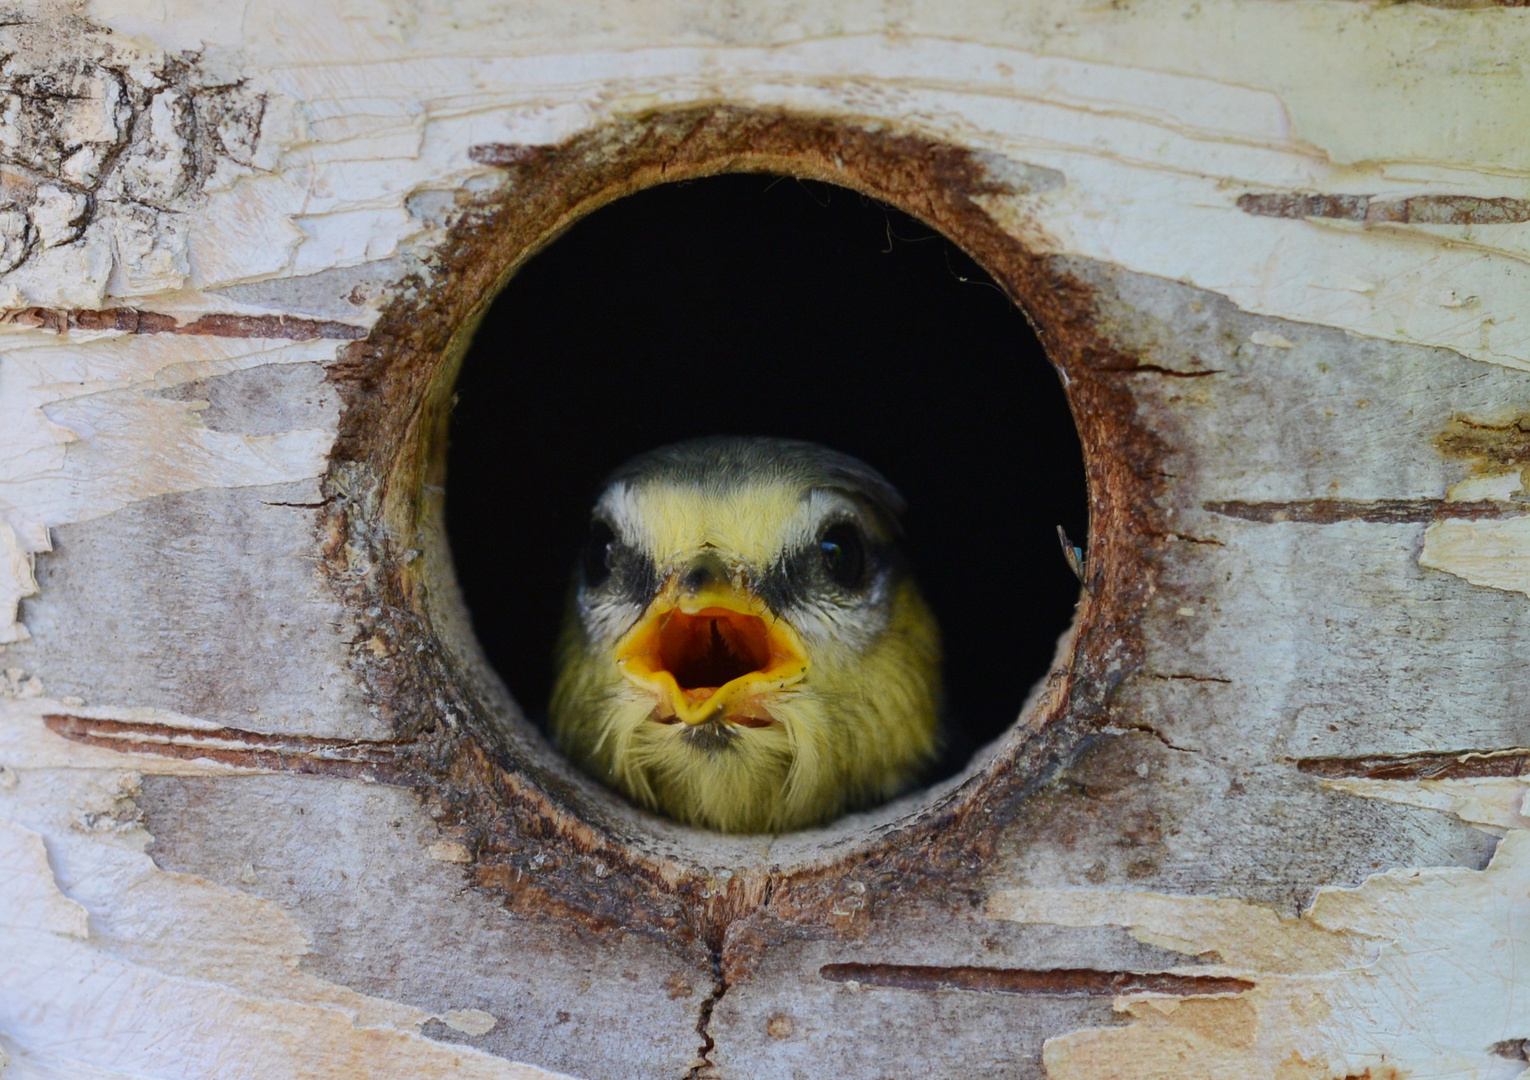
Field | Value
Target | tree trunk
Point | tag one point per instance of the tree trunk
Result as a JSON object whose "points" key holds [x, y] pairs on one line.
{"points": [[264, 811]]}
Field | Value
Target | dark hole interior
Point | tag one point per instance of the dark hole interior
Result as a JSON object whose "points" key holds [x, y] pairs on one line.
{"points": [[750, 304]]}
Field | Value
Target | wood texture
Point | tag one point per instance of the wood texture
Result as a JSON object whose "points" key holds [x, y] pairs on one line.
{"points": [[265, 813]]}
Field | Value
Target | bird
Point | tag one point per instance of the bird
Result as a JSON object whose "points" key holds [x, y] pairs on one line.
{"points": [[744, 648]]}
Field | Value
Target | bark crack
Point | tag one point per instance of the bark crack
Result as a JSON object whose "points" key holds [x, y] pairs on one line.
{"points": [[1146, 729], [704, 1069]]}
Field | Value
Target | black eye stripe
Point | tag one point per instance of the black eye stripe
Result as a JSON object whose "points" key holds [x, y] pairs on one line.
{"points": [[784, 583], [841, 560], [609, 565]]}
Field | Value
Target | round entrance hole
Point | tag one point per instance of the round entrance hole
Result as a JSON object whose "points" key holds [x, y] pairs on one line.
{"points": [[761, 305]]}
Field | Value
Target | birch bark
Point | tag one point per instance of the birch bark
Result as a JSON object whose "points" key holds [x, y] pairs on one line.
{"points": [[264, 814]]}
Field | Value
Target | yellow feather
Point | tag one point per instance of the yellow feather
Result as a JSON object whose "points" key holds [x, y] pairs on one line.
{"points": [[748, 522]]}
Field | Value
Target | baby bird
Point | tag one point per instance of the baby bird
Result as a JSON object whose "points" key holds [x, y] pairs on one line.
{"points": [[744, 649]]}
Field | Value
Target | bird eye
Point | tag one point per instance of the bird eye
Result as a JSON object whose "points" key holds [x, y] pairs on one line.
{"points": [[844, 555], [596, 561]]}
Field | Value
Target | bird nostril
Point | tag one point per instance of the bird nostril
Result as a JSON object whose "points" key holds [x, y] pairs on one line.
{"points": [[706, 570]]}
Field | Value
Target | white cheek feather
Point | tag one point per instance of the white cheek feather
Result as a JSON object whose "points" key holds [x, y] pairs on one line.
{"points": [[606, 618], [844, 629]]}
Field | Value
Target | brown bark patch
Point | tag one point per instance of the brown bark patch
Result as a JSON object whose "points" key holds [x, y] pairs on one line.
{"points": [[1368, 209], [133, 321], [1500, 446], [1374, 511]]}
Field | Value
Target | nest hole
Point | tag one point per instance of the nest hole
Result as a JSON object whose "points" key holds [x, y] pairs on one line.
{"points": [[766, 305]]}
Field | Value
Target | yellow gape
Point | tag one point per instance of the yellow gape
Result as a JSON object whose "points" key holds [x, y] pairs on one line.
{"points": [[744, 649]]}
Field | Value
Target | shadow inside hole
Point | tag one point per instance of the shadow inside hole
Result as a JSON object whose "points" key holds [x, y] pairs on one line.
{"points": [[749, 304]]}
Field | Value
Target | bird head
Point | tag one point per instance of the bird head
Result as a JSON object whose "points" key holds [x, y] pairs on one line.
{"points": [[744, 648]]}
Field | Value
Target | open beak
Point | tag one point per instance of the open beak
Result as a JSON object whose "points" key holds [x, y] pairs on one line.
{"points": [[711, 654]]}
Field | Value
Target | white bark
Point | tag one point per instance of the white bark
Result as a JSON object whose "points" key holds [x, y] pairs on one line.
{"points": [[1335, 389]]}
